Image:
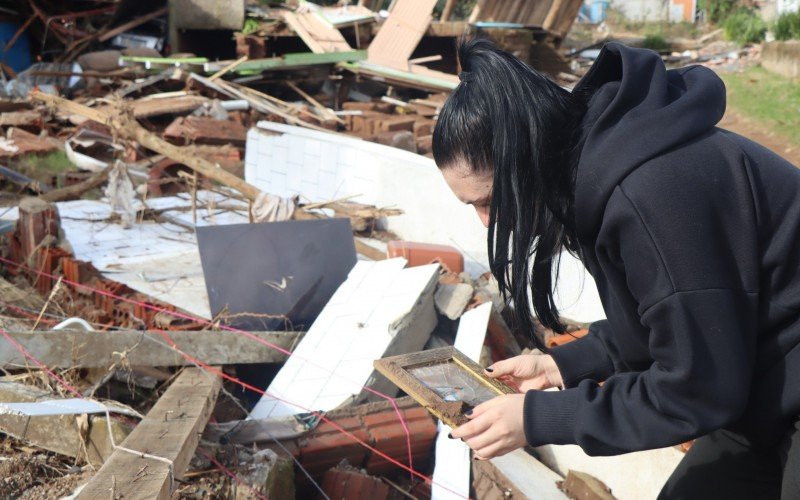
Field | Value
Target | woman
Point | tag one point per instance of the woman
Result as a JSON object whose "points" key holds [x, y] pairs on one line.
{"points": [[692, 235]]}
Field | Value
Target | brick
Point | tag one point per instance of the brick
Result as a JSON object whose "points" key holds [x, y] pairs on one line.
{"points": [[566, 338], [585, 487], [205, 130], [359, 106], [327, 445], [254, 47], [348, 483], [423, 127], [399, 123], [381, 107], [402, 139], [418, 254], [425, 144], [390, 438]]}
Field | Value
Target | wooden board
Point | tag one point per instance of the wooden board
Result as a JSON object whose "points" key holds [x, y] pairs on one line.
{"points": [[61, 434], [554, 16], [73, 348], [401, 33], [171, 430], [320, 36]]}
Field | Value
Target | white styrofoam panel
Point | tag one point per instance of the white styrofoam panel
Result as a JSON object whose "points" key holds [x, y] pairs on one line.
{"points": [[646, 472], [334, 359], [529, 475], [390, 177]]}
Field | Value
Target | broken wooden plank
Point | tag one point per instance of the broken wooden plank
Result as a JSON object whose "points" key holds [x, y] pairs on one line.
{"points": [[381, 309], [585, 487], [127, 126], [85, 439], [170, 431], [155, 106], [401, 33], [22, 181], [75, 191], [320, 36], [288, 61], [20, 118], [206, 130], [20, 142], [97, 349]]}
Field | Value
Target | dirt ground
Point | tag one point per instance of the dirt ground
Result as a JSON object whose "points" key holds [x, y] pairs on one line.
{"points": [[743, 126], [40, 476]]}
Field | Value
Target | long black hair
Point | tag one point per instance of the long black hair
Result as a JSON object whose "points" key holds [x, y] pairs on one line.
{"points": [[506, 118]]}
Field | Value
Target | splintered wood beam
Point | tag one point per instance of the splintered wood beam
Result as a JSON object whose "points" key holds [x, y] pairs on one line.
{"points": [[126, 125], [63, 434], [81, 349], [171, 431], [447, 11]]}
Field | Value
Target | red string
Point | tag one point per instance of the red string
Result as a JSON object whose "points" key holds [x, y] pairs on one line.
{"points": [[247, 334], [41, 365], [27, 313], [409, 468]]}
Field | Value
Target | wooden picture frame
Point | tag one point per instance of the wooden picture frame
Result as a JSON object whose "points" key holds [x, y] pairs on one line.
{"points": [[417, 374]]}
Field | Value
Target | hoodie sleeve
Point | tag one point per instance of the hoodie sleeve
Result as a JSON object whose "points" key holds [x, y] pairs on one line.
{"points": [[687, 260], [586, 358]]}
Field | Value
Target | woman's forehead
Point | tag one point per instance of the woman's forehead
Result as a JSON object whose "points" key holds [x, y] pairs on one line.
{"points": [[469, 186]]}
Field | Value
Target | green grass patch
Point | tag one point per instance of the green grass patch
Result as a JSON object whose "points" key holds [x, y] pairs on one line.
{"points": [[787, 26], [655, 42], [43, 167], [768, 99], [745, 26]]}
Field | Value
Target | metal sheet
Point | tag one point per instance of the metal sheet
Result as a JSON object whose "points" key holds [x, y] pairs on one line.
{"points": [[287, 268]]}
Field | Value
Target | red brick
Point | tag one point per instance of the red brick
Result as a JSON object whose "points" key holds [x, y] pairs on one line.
{"points": [[353, 485], [419, 254], [423, 127], [390, 438], [205, 130], [327, 445]]}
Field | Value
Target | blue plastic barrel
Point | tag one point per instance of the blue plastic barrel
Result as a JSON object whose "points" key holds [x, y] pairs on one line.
{"points": [[597, 11], [18, 56]]}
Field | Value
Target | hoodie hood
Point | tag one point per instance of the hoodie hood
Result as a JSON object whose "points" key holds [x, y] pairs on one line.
{"points": [[637, 110]]}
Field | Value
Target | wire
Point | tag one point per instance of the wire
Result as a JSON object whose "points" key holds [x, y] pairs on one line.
{"points": [[230, 329], [235, 380]]}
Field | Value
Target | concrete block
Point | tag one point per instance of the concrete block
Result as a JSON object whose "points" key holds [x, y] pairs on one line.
{"points": [[451, 300]]}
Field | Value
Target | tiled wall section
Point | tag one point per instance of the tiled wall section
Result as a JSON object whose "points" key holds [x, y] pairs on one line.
{"points": [[285, 160]]}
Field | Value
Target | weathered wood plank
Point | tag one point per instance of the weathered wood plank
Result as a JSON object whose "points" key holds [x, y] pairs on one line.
{"points": [[73, 348], [171, 430], [61, 434]]}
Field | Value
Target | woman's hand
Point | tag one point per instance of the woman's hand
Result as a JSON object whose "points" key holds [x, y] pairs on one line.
{"points": [[527, 372], [495, 427]]}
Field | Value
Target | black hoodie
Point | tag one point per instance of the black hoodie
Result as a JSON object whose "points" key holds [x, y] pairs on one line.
{"points": [[692, 234]]}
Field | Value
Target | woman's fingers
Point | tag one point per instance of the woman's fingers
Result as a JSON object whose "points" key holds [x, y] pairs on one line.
{"points": [[506, 367], [471, 429]]}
